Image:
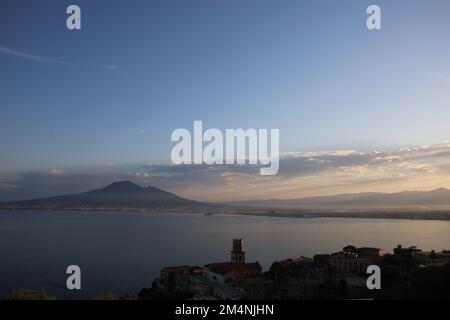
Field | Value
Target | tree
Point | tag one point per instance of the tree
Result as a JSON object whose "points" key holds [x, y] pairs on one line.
{"points": [[109, 296], [28, 294]]}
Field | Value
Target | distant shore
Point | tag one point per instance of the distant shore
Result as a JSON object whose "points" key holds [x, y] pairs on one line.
{"points": [[410, 214]]}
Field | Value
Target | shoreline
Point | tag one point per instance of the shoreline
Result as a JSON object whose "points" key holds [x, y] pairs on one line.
{"points": [[402, 214]]}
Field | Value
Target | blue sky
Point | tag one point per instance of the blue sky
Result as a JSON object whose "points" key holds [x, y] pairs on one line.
{"points": [[113, 92]]}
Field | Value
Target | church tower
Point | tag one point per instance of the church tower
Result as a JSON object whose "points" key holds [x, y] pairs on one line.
{"points": [[238, 253]]}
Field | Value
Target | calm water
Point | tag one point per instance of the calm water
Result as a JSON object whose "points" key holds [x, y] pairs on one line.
{"points": [[123, 252]]}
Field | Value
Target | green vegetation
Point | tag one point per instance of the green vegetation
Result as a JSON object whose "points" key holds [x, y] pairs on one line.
{"points": [[27, 294]]}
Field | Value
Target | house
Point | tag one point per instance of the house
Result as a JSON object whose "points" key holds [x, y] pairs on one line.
{"points": [[368, 252], [295, 288], [301, 267], [214, 290], [322, 259], [231, 273], [176, 279], [354, 260], [401, 252], [179, 271]]}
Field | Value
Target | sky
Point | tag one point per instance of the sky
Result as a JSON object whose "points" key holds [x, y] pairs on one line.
{"points": [[81, 108]]}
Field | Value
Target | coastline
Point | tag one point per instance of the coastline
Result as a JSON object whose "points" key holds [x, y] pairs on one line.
{"points": [[405, 214]]}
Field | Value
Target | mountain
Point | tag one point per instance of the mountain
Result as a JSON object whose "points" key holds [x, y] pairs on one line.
{"points": [[128, 196], [123, 194], [371, 200]]}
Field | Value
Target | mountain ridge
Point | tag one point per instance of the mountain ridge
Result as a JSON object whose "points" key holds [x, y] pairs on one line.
{"points": [[128, 196], [121, 194], [365, 200]]}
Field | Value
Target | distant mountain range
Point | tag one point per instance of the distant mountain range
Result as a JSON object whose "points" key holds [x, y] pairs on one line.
{"points": [[371, 200], [123, 194], [128, 196]]}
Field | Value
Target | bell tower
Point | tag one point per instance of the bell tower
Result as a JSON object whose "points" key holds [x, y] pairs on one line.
{"points": [[238, 253]]}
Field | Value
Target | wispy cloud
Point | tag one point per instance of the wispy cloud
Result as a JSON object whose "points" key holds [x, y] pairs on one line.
{"points": [[23, 55], [439, 76], [38, 59]]}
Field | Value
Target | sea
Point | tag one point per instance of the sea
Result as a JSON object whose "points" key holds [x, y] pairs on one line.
{"points": [[122, 253]]}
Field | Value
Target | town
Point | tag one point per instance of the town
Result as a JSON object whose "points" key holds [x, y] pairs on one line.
{"points": [[407, 273]]}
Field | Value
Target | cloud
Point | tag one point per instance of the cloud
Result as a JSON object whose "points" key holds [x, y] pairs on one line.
{"points": [[55, 172], [38, 59], [300, 175], [442, 77], [7, 186], [23, 55], [313, 173]]}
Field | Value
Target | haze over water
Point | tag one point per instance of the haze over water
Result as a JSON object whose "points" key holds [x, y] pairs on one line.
{"points": [[124, 252]]}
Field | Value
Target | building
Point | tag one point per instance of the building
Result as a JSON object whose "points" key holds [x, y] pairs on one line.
{"points": [[231, 273], [401, 252], [301, 267], [295, 289], [357, 287], [235, 271], [180, 271], [354, 260], [213, 290], [368, 252], [322, 259], [175, 280], [238, 253], [444, 254], [229, 280]]}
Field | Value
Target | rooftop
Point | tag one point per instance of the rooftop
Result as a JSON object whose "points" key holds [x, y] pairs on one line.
{"points": [[225, 267]]}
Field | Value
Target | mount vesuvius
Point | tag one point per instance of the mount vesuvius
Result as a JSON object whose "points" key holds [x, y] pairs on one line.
{"points": [[118, 195]]}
